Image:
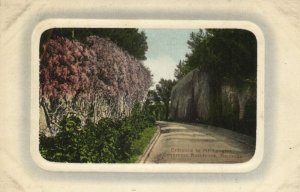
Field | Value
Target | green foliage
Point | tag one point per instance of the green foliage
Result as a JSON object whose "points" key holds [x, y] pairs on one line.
{"points": [[181, 69], [227, 54], [129, 39], [164, 89], [107, 141], [139, 145], [153, 105], [158, 101], [249, 122]]}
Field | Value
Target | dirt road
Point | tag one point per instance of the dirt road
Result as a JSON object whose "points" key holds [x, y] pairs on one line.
{"points": [[186, 143]]}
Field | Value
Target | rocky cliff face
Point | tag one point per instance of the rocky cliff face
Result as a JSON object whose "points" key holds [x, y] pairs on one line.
{"points": [[192, 99], [190, 96]]}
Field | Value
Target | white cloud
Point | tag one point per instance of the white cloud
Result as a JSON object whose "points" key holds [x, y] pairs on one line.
{"points": [[161, 67]]}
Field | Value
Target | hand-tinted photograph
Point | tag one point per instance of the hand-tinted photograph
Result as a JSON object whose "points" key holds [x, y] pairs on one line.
{"points": [[143, 95]]}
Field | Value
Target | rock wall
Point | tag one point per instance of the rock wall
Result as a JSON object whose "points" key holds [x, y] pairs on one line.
{"points": [[190, 96], [192, 100]]}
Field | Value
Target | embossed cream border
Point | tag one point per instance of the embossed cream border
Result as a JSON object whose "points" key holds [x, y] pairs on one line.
{"points": [[136, 167]]}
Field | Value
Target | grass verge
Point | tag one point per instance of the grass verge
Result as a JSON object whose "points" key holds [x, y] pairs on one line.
{"points": [[139, 145]]}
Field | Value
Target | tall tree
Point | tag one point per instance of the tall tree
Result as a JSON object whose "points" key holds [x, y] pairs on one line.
{"points": [[181, 69], [153, 105], [163, 90], [227, 54]]}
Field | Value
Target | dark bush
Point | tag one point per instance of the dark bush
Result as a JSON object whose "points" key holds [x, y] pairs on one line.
{"points": [[249, 122]]}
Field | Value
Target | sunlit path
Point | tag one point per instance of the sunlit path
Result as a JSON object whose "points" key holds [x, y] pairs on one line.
{"points": [[185, 143]]}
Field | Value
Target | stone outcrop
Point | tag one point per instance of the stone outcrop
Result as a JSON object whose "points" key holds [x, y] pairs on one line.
{"points": [[192, 99], [190, 96]]}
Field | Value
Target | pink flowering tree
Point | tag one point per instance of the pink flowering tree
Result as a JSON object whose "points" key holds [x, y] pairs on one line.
{"points": [[91, 81]]}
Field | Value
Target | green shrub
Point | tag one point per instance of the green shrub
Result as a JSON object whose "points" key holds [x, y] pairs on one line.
{"points": [[107, 141]]}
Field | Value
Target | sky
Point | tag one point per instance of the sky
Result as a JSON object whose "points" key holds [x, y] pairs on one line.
{"points": [[165, 48]]}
